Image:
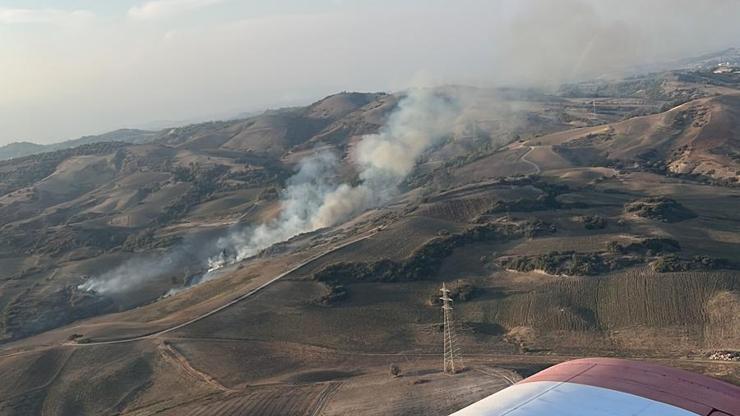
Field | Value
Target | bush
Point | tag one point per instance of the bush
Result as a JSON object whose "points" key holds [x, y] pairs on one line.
{"points": [[673, 263], [646, 246], [593, 222], [460, 292], [336, 293], [568, 263], [659, 208]]}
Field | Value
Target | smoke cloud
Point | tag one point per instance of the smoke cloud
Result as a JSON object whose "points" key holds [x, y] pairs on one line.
{"points": [[422, 119], [300, 200], [132, 274], [315, 197]]}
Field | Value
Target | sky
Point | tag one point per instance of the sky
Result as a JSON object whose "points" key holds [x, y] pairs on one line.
{"points": [[74, 67]]}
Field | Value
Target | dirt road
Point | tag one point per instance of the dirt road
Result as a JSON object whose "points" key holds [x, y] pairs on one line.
{"points": [[529, 162]]}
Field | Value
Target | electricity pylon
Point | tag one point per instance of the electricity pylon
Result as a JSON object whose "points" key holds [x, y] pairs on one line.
{"points": [[452, 356]]}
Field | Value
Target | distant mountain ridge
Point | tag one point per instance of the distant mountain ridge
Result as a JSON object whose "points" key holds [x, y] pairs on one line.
{"points": [[695, 63], [20, 149], [708, 61], [154, 132]]}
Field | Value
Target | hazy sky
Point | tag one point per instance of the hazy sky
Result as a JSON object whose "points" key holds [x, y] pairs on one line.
{"points": [[75, 67]]}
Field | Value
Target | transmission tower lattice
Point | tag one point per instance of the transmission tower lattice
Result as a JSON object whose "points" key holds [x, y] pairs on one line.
{"points": [[452, 357]]}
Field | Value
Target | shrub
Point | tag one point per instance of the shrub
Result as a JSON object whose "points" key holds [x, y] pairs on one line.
{"points": [[568, 263], [673, 263], [593, 222], [659, 208], [460, 292], [646, 246], [336, 293]]}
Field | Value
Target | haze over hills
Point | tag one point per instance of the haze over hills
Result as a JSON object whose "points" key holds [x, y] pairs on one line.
{"points": [[277, 264], [20, 149], [706, 62]]}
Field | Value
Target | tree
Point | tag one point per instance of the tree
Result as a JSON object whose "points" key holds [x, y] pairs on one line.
{"points": [[395, 370]]}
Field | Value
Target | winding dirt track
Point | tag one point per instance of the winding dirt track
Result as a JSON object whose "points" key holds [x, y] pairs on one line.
{"points": [[169, 352], [324, 397], [524, 159]]}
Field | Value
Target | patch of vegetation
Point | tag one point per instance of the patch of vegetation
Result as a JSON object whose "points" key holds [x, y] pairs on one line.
{"points": [[423, 262], [337, 293], [593, 222], [571, 263], [462, 291], [74, 337], [147, 240], [269, 194], [648, 246], [395, 370], [568, 263], [260, 176], [545, 202], [205, 180], [674, 263], [659, 208]]}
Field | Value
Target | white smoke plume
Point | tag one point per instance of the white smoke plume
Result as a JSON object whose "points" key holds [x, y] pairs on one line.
{"points": [[129, 275], [300, 200], [140, 269], [384, 160], [137, 271], [313, 199]]}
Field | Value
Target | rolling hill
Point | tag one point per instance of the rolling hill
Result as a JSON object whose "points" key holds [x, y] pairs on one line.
{"points": [[563, 231]]}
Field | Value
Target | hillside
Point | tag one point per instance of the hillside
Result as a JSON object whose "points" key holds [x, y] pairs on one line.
{"points": [[563, 231], [21, 149], [698, 138]]}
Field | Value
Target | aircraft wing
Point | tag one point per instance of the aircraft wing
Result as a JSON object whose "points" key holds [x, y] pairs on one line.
{"points": [[611, 387]]}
